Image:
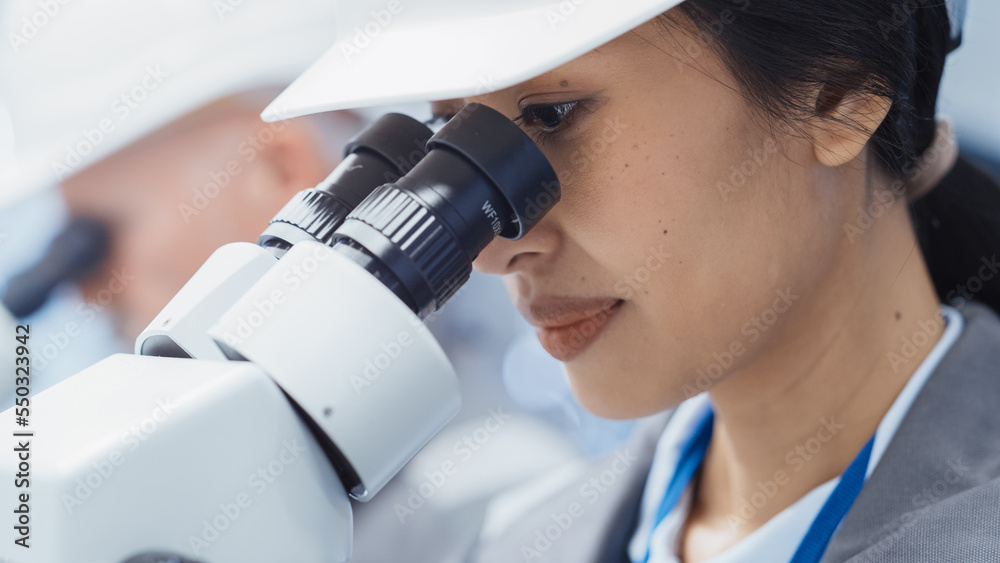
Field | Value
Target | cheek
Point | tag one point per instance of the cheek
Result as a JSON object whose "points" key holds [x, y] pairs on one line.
{"points": [[701, 228], [644, 173]]}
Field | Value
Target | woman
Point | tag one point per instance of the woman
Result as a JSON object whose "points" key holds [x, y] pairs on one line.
{"points": [[735, 239]]}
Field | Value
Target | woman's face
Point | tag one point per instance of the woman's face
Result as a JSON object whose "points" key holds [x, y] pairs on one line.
{"points": [[687, 229]]}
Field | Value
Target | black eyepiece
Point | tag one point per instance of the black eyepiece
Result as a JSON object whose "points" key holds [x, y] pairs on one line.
{"points": [[482, 178], [386, 150]]}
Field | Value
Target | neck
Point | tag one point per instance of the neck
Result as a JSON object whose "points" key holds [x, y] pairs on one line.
{"points": [[800, 414]]}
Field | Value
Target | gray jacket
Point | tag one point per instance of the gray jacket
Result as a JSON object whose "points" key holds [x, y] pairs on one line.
{"points": [[934, 496]]}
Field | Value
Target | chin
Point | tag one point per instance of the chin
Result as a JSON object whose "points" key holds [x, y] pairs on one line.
{"points": [[617, 394]]}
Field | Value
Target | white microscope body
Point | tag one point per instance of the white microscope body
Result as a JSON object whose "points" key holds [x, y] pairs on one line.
{"points": [[208, 458], [269, 389]]}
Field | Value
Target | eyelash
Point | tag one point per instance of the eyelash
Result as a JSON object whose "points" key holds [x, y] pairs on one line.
{"points": [[530, 117], [537, 117]]}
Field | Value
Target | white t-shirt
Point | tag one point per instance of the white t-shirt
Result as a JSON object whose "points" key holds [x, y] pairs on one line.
{"points": [[780, 536]]}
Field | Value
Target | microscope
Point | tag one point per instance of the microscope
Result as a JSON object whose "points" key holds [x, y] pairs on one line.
{"points": [[286, 375]]}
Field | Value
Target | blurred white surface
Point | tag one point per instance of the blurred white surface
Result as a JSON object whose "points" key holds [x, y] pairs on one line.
{"points": [[83, 80]]}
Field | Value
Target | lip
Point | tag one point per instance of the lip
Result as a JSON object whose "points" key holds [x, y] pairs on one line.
{"points": [[566, 326]]}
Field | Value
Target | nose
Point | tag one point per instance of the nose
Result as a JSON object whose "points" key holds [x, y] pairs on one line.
{"points": [[503, 256]]}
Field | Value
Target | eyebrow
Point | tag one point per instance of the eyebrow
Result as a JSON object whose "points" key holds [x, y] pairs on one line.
{"points": [[535, 82]]}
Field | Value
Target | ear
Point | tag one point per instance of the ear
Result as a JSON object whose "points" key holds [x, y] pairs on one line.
{"points": [[844, 123]]}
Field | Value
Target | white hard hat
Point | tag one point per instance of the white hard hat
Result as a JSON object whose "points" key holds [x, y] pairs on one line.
{"points": [[390, 52], [394, 51], [82, 80]]}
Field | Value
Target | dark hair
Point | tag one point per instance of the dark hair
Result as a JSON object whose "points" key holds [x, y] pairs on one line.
{"points": [[779, 49]]}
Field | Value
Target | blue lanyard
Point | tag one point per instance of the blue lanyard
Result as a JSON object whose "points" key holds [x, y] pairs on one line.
{"points": [[814, 543]]}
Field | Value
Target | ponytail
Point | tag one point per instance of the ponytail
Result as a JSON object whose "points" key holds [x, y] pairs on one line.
{"points": [[958, 222], [958, 228]]}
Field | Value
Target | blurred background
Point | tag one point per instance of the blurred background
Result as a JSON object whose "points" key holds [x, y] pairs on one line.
{"points": [[130, 132], [150, 132]]}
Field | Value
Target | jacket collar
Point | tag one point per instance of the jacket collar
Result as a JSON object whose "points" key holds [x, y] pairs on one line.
{"points": [[947, 444]]}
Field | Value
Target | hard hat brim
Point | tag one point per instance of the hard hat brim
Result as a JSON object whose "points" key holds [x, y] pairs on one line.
{"points": [[440, 60]]}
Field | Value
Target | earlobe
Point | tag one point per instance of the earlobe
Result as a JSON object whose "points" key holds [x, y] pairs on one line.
{"points": [[844, 123]]}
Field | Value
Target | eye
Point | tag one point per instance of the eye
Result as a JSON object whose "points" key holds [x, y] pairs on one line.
{"points": [[545, 118]]}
